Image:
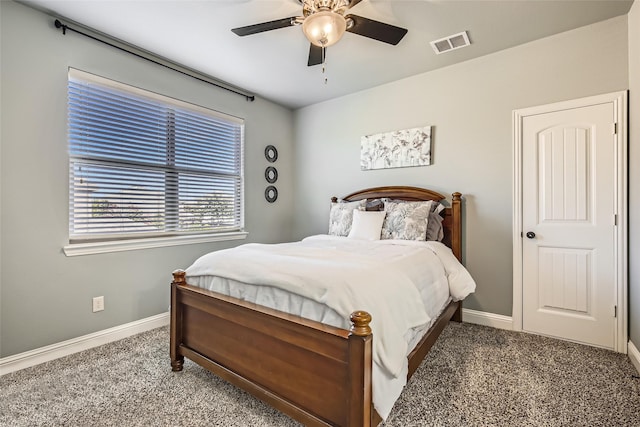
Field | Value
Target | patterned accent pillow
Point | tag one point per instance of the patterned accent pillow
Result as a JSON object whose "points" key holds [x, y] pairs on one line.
{"points": [[341, 217], [406, 220]]}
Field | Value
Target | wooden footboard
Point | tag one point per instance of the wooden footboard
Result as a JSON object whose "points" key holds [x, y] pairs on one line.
{"points": [[317, 374]]}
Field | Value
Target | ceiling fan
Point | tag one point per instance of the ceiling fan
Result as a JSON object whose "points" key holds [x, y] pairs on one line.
{"points": [[324, 22]]}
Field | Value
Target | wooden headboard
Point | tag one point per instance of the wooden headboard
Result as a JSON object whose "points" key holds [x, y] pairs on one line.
{"points": [[452, 222]]}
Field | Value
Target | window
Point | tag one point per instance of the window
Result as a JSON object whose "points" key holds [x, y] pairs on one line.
{"points": [[143, 165]]}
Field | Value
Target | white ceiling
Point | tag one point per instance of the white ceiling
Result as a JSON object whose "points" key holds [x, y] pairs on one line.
{"points": [[273, 64]]}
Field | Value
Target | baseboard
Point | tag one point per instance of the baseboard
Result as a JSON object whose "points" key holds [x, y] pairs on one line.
{"points": [[65, 348], [634, 355], [487, 319]]}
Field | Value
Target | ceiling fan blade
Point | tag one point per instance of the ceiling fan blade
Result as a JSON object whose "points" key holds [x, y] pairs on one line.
{"points": [[264, 26], [315, 55], [376, 30], [353, 3]]}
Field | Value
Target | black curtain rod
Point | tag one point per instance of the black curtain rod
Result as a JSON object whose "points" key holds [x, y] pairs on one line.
{"points": [[65, 27]]}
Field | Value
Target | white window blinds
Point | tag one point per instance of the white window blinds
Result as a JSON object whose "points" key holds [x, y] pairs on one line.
{"points": [[142, 164]]}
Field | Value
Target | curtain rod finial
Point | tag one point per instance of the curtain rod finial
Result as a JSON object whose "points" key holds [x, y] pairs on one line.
{"points": [[59, 24]]}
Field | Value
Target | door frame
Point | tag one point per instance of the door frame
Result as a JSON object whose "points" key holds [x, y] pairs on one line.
{"points": [[619, 100]]}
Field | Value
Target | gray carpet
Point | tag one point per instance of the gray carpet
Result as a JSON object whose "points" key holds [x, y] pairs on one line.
{"points": [[474, 376]]}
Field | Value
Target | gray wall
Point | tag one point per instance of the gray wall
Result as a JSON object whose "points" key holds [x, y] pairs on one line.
{"points": [[470, 108], [45, 296], [634, 173]]}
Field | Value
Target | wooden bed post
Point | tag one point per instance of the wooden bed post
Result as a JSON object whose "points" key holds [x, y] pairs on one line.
{"points": [[456, 229], [456, 240], [175, 336], [360, 366]]}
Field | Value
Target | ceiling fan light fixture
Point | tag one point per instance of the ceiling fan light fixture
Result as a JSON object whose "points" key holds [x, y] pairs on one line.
{"points": [[324, 28]]}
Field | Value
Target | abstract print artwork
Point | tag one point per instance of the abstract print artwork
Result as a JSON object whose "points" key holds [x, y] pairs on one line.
{"points": [[398, 149]]}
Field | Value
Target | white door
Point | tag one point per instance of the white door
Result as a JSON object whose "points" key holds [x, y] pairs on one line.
{"points": [[569, 207]]}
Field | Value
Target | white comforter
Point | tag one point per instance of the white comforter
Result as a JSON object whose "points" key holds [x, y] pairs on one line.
{"points": [[384, 278]]}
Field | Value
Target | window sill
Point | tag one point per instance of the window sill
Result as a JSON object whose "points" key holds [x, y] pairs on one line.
{"points": [[77, 249]]}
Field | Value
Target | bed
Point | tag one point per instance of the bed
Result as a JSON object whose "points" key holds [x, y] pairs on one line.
{"points": [[316, 373]]}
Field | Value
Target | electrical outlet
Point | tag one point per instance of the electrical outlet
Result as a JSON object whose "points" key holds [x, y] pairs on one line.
{"points": [[98, 304]]}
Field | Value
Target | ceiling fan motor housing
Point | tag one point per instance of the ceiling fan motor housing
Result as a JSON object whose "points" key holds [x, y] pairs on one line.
{"points": [[309, 7]]}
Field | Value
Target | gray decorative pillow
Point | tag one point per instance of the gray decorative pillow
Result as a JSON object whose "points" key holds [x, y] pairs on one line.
{"points": [[341, 217], [434, 227], [374, 205], [406, 220]]}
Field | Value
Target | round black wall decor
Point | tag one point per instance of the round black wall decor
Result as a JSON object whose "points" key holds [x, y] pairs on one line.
{"points": [[271, 153], [271, 174], [271, 194]]}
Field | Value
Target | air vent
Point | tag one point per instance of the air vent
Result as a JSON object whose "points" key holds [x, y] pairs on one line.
{"points": [[453, 42]]}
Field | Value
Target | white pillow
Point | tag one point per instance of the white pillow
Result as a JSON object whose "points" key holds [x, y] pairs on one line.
{"points": [[367, 225]]}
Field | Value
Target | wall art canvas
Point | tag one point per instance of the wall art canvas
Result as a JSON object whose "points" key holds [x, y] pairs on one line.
{"points": [[398, 149]]}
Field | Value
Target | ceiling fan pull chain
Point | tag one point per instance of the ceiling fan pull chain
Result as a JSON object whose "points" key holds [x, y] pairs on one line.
{"points": [[324, 63]]}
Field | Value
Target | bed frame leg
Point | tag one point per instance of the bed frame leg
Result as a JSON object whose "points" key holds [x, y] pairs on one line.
{"points": [[176, 365], [457, 315]]}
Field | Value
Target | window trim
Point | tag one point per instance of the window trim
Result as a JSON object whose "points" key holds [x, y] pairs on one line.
{"points": [[90, 248], [87, 245]]}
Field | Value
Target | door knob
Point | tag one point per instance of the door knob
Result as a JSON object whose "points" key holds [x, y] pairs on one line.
{"points": [[530, 234]]}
